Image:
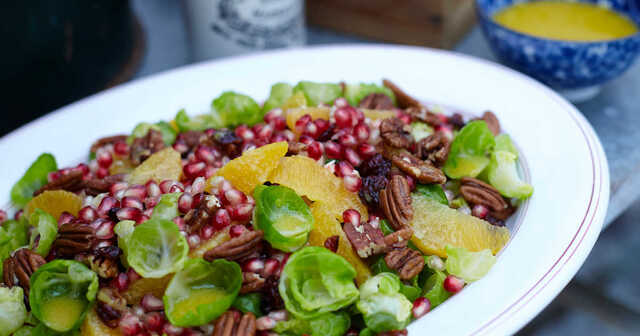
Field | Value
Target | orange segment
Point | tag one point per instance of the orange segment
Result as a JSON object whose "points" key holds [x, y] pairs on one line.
{"points": [[296, 100], [325, 225], [436, 225], [308, 178], [93, 326], [253, 167], [54, 202], [217, 239], [163, 165], [142, 286], [378, 114], [315, 112]]}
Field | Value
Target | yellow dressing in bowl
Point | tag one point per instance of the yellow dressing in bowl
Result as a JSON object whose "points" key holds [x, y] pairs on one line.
{"points": [[570, 21]]}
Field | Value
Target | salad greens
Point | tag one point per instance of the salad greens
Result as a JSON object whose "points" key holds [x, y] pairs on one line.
{"points": [[34, 178], [202, 291], [249, 303], [469, 151], [167, 207], [434, 290], [354, 93], [231, 109], [502, 172], [46, 228], [283, 216], [197, 123], [61, 293], [13, 235], [280, 92], [382, 305], [13, 313], [470, 266], [318, 93], [434, 192], [315, 281], [327, 324], [168, 133]]}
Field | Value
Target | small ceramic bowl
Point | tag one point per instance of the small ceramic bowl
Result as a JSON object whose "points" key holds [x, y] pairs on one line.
{"points": [[575, 69]]}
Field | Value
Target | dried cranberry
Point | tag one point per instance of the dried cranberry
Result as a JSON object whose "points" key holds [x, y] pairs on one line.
{"points": [[457, 121], [111, 251], [226, 137], [371, 186], [376, 165], [271, 296], [494, 221]]}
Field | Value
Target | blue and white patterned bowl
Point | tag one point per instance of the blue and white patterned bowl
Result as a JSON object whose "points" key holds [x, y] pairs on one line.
{"points": [[575, 68]]}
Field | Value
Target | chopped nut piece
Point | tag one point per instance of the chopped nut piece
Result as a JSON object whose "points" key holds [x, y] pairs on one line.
{"points": [[73, 239], [434, 148], [19, 267], [404, 100], [492, 122], [251, 282], [71, 181], [398, 239], [107, 141], [202, 214], [366, 239], [332, 243], [475, 192], [422, 171], [142, 148], [396, 133], [407, 262], [395, 201], [376, 101], [239, 248], [232, 324], [104, 261], [423, 114]]}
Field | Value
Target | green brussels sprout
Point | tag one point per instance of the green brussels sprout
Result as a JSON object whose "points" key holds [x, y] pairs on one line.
{"points": [[61, 293], [420, 130], [434, 290], [13, 313], [124, 230], [156, 248], [233, 109], [47, 229], [434, 192], [202, 291], [249, 303], [34, 178], [25, 330], [469, 151], [168, 133], [280, 92], [13, 234], [470, 266], [315, 281], [283, 216], [382, 305], [502, 173], [504, 143], [327, 324], [318, 93], [167, 207], [197, 123], [354, 93], [367, 332]]}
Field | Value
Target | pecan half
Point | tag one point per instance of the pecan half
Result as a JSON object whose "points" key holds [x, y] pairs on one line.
{"points": [[395, 133], [96, 186], [73, 239], [104, 261], [492, 122], [423, 114], [376, 101], [475, 191], [19, 267], [398, 239], [143, 147], [107, 141], [395, 201], [232, 324], [71, 181], [422, 171], [251, 282], [404, 100], [197, 218], [331, 243], [239, 248], [110, 306], [407, 262], [434, 148], [366, 239]]}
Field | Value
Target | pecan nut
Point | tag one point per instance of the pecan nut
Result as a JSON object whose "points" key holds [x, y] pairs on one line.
{"points": [[425, 115], [366, 239], [251, 282], [110, 306], [110, 140], [239, 248], [96, 186], [398, 239], [395, 201], [73, 239], [104, 261], [434, 148], [19, 267], [476, 192], [492, 122], [422, 171], [376, 101], [407, 262], [232, 324], [332, 243], [395, 133], [199, 217], [71, 181], [142, 148], [404, 100]]}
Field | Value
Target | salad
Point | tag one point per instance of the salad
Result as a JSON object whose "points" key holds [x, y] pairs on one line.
{"points": [[331, 209]]}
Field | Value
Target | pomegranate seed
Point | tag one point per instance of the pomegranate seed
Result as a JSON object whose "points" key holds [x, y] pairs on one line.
{"points": [[265, 132], [311, 130], [404, 117], [151, 202], [172, 330], [193, 240], [206, 154], [366, 150], [289, 135], [271, 266], [131, 202], [176, 188], [130, 325], [333, 150], [344, 168], [278, 138], [305, 139], [180, 146], [446, 130], [185, 202], [302, 122], [241, 212], [117, 187], [279, 315], [102, 172], [265, 323], [253, 265], [351, 216], [207, 231], [180, 223], [136, 190], [341, 102], [453, 284], [273, 114], [279, 123], [104, 158], [322, 125], [143, 218], [245, 133], [106, 204], [421, 306], [105, 230], [315, 150], [353, 157], [165, 186], [121, 148], [343, 117], [153, 321], [361, 132], [133, 275], [236, 230], [352, 183], [198, 185], [193, 170], [374, 221], [222, 219], [121, 282], [52, 176], [65, 217], [83, 168], [348, 140], [148, 212], [411, 182], [88, 214], [129, 214], [151, 303], [234, 197], [480, 211]]}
